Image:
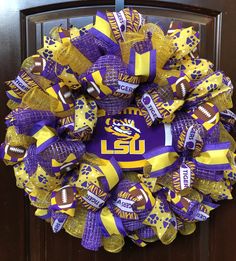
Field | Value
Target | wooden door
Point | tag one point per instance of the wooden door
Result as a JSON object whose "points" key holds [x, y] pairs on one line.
{"points": [[24, 237]]}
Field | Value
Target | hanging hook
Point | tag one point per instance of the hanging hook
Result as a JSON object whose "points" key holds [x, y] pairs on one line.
{"points": [[119, 5]]}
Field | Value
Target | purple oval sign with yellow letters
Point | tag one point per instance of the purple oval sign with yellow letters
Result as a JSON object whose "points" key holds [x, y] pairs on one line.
{"points": [[127, 137]]}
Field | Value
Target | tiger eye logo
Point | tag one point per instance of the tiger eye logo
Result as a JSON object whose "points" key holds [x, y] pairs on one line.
{"points": [[123, 129], [127, 137]]}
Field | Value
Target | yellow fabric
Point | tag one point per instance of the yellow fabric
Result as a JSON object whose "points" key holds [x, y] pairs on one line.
{"points": [[44, 134], [110, 174], [108, 221], [162, 161]]}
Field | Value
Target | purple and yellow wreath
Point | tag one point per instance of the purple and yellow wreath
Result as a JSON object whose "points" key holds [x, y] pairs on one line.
{"points": [[120, 129]]}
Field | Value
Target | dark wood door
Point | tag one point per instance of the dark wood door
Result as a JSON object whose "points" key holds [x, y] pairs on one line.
{"points": [[24, 237]]}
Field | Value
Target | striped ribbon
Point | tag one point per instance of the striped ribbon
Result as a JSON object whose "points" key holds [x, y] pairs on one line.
{"points": [[143, 64]]}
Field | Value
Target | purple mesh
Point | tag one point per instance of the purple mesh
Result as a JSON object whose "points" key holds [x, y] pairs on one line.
{"points": [[31, 160], [60, 151], [114, 65], [113, 105], [130, 225], [227, 126], [143, 46], [92, 235], [191, 212], [101, 46], [146, 232], [87, 46], [24, 119], [166, 93], [184, 121], [209, 174], [52, 70]]}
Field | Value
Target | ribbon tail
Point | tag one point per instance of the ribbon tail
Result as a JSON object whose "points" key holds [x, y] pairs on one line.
{"points": [[214, 157], [162, 160]]}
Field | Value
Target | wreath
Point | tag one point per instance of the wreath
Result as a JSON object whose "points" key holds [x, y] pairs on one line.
{"points": [[119, 129]]}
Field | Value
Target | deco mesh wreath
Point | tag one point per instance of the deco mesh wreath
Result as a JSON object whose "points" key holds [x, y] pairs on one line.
{"points": [[119, 129]]}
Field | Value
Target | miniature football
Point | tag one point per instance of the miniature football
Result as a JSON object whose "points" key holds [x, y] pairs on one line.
{"points": [[140, 196], [206, 112], [182, 87], [65, 95], [15, 151], [65, 197]]}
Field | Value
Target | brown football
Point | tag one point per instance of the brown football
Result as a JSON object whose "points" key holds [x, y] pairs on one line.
{"points": [[65, 95], [15, 151], [65, 197], [182, 87], [206, 112], [93, 89], [140, 196], [194, 54], [173, 26], [39, 64]]}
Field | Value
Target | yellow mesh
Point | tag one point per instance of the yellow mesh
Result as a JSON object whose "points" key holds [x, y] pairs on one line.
{"points": [[15, 139], [132, 176], [150, 240], [51, 182], [129, 40], [38, 100], [169, 235], [43, 198], [162, 75], [28, 63], [163, 45], [114, 243], [223, 101], [75, 225], [188, 228], [12, 105], [21, 176], [215, 189], [195, 195], [153, 28], [67, 54]]}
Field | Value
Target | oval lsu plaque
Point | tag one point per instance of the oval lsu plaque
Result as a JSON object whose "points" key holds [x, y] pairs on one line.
{"points": [[126, 137]]}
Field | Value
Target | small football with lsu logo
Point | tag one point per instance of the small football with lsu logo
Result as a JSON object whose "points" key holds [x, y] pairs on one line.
{"points": [[206, 112], [65, 197], [15, 151]]}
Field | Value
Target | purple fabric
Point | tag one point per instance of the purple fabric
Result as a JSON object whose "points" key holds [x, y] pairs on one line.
{"points": [[52, 70], [183, 121], [31, 160], [87, 46], [92, 236], [60, 151], [113, 65], [24, 119], [209, 174], [146, 232], [143, 46]]}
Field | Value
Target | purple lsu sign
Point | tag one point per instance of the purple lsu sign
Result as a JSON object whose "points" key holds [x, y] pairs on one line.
{"points": [[126, 137]]}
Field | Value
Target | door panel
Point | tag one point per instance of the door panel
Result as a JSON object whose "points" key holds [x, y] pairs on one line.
{"points": [[35, 25], [25, 237]]}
